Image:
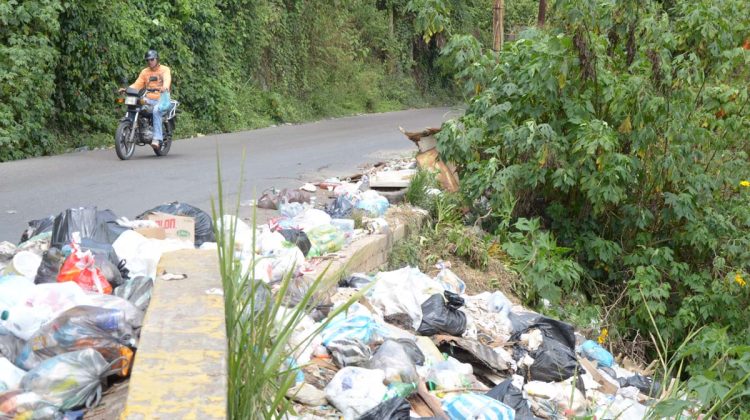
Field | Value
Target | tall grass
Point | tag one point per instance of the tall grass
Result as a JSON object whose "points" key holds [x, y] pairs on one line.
{"points": [[261, 362]]}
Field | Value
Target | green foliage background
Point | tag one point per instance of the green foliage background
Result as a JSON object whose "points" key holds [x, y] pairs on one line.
{"points": [[611, 148], [236, 64]]}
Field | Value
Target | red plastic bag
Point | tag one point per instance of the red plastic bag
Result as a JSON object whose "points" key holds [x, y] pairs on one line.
{"points": [[80, 267]]}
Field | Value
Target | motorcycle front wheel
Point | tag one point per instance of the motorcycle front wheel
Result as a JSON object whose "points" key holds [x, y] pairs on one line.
{"points": [[124, 148], [164, 148]]}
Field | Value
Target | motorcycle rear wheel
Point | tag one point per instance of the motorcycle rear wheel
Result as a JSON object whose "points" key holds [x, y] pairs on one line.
{"points": [[166, 144], [123, 148]]}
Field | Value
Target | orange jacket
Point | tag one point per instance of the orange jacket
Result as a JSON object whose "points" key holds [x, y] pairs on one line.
{"points": [[163, 79]]}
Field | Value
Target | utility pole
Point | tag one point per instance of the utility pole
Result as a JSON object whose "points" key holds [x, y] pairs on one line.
{"points": [[542, 16], [498, 16]]}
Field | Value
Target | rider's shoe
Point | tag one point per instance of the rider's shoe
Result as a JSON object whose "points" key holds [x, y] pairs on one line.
{"points": [[156, 144]]}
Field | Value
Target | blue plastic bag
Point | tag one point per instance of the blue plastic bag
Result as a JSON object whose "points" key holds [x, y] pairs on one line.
{"points": [[360, 327], [164, 102], [594, 351], [476, 406]]}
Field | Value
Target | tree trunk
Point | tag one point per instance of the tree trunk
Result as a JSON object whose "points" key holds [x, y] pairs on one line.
{"points": [[498, 16], [542, 16]]}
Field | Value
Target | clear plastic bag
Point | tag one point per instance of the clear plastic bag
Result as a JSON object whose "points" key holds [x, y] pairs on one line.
{"points": [[325, 239], [10, 375], [10, 345], [373, 203], [82, 327], [70, 380], [450, 374], [448, 279], [26, 405], [136, 291], [392, 359]]}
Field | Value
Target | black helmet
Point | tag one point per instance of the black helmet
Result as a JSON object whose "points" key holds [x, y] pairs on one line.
{"points": [[151, 54]]}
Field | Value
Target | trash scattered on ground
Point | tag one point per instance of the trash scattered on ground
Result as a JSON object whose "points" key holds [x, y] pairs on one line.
{"points": [[74, 291], [171, 276]]}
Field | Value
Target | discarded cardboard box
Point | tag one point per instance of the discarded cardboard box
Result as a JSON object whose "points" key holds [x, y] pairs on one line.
{"points": [[152, 232], [177, 227], [446, 174]]}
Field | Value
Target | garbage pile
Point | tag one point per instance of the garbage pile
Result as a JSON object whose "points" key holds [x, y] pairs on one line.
{"points": [[418, 346], [73, 293], [74, 290]]}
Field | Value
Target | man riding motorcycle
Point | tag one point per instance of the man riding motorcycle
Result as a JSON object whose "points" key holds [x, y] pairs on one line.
{"points": [[163, 83]]}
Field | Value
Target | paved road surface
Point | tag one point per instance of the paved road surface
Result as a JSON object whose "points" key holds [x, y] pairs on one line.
{"points": [[276, 156]]}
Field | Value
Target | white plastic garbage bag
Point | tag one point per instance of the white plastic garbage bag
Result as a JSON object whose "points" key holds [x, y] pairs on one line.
{"points": [[553, 397], [14, 289], [142, 254], [311, 218], [267, 243], [392, 295], [286, 261], [243, 234], [403, 291], [355, 390], [10, 375]]}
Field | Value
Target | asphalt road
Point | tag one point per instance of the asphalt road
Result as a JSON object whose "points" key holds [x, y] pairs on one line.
{"points": [[280, 157]]}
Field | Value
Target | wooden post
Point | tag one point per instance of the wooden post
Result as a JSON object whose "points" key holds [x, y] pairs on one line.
{"points": [[498, 16], [542, 16]]}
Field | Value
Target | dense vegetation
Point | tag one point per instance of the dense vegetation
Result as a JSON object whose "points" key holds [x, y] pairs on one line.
{"points": [[236, 64], [609, 151]]}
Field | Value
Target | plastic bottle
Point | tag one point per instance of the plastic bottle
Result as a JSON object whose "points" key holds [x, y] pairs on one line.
{"points": [[400, 389], [21, 320], [593, 351]]}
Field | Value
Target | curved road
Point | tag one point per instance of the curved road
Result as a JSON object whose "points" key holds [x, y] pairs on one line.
{"points": [[280, 157]]}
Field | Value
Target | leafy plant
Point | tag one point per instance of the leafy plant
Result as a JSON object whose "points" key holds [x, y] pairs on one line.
{"points": [[543, 265], [263, 329], [618, 131]]}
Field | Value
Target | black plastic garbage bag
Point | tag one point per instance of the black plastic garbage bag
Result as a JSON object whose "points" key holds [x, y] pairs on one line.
{"points": [[644, 384], [453, 300], [393, 409], [356, 280], [522, 321], [298, 238], [136, 291], [555, 359], [438, 316], [37, 227], [89, 222], [52, 260], [511, 396], [204, 226], [341, 208]]}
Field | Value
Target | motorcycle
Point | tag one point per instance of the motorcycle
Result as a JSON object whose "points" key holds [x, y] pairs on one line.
{"points": [[136, 127]]}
